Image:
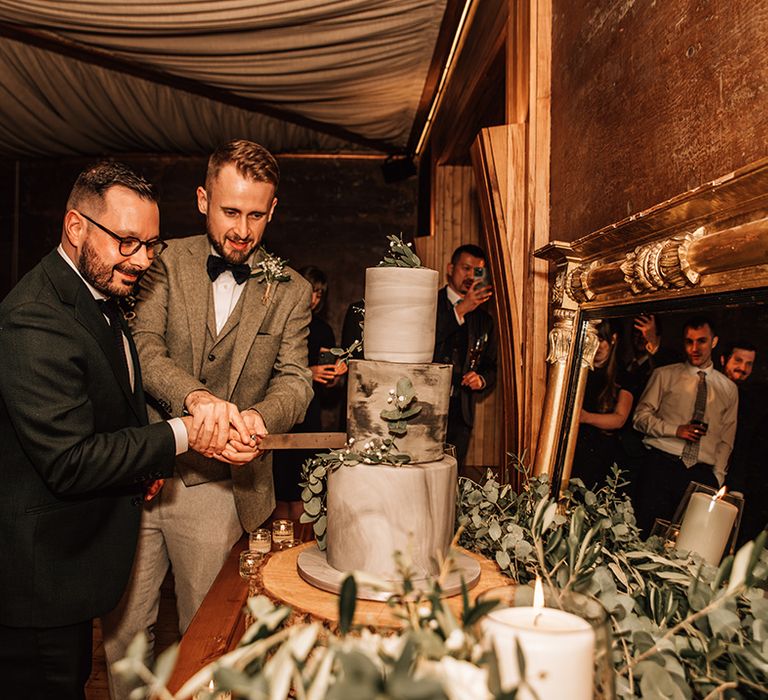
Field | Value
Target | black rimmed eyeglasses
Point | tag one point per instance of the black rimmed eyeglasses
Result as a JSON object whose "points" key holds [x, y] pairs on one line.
{"points": [[128, 245]]}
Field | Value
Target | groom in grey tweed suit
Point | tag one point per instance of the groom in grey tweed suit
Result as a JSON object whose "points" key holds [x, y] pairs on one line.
{"points": [[213, 344]]}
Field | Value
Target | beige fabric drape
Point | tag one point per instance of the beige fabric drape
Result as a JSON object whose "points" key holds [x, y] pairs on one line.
{"points": [[358, 64]]}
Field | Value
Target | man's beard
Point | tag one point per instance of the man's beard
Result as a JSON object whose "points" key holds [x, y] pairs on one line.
{"points": [[100, 275], [236, 257]]}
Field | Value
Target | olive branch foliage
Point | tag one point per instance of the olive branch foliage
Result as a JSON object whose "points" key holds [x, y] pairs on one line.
{"points": [[681, 629]]}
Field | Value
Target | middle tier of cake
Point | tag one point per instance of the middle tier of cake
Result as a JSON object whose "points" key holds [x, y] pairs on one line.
{"points": [[372, 389], [375, 510]]}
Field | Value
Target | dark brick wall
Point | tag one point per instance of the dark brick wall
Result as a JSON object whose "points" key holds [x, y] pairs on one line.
{"points": [[332, 213], [651, 99]]}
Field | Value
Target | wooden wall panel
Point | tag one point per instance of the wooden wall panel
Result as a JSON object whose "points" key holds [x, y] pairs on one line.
{"points": [[456, 217], [649, 100]]}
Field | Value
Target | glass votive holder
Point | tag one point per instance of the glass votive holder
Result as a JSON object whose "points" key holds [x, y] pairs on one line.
{"points": [[709, 521], [287, 544], [282, 531], [249, 564], [566, 643], [260, 541], [667, 531], [449, 450]]}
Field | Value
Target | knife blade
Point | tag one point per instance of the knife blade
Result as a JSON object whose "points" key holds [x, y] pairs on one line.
{"points": [[303, 441]]}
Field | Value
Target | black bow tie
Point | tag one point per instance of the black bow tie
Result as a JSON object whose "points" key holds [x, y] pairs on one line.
{"points": [[216, 265]]}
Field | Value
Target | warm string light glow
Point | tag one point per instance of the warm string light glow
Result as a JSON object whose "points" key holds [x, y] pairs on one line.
{"points": [[716, 497]]}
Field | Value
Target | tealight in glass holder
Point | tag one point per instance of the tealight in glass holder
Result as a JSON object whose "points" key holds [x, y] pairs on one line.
{"points": [[566, 643], [208, 693], [260, 541], [250, 563], [282, 531], [668, 531], [709, 521]]}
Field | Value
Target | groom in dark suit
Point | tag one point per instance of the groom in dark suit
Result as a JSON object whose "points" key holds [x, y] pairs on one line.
{"points": [[76, 446], [465, 338]]}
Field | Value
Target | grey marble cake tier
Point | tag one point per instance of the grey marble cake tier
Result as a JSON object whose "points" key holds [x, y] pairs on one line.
{"points": [[375, 510], [368, 385]]}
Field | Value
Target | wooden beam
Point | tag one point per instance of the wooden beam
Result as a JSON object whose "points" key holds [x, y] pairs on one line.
{"points": [[448, 28], [518, 61], [498, 157], [536, 322], [49, 41], [474, 97]]}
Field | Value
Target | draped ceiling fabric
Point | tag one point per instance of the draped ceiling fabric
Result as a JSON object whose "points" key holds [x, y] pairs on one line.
{"points": [[359, 65]]}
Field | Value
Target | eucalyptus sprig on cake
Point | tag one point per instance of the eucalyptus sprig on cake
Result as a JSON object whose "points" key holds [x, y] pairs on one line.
{"points": [[404, 405], [270, 269], [400, 254], [315, 472]]}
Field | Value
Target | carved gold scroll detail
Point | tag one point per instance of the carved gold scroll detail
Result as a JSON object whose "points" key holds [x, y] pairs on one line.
{"points": [[661, 265]]}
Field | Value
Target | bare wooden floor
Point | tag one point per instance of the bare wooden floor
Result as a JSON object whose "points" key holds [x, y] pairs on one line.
{"points": [[167, 632]]}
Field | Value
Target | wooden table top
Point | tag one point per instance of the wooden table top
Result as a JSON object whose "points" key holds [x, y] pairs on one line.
{"points": [[220, 622], [282, 582]]}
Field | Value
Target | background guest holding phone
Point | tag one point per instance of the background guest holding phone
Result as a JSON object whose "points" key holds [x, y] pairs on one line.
{"points": [[326, 373], [465, 339]]}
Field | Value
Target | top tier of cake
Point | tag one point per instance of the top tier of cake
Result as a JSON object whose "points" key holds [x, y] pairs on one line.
{"points": [[400, 309]]}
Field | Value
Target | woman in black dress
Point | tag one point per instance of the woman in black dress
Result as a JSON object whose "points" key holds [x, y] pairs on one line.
{"points": [[286, 464], [606, 407]]}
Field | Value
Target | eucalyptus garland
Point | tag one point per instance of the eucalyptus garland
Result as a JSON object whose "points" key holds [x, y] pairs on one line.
{"points": [[682, 629]]}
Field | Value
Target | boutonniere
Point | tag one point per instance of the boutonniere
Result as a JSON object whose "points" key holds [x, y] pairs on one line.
{"points": [[270, 270]]}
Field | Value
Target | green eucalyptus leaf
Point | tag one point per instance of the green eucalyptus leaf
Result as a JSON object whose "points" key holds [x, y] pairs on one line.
{"points": [[313, 506], [723, 622], [739, 571], [503, 559]]}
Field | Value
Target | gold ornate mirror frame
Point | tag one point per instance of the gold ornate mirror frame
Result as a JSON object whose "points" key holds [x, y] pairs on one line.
{"points": [[709, 243]]}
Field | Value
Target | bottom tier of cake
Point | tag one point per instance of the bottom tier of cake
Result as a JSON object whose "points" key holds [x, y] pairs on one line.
{"points": [[375, 510]]}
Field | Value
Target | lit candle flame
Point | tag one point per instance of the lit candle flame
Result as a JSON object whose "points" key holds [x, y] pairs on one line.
{"points": [[538, 595], [716, 497]]}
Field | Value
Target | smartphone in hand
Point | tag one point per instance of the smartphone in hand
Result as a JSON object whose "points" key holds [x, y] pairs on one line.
{"points": [[482, 277]]}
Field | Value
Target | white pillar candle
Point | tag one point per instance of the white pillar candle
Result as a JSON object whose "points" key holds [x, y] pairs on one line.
{"points": [[707, 526], [559, 651]]}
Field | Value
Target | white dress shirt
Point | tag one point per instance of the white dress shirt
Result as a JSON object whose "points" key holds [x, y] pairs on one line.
{"points": [[454, 298], [226, 293], [668, 402], [177, 425]]}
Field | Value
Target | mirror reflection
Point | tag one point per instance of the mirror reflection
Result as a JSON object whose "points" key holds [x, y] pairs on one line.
{"points": [[677, 396]]}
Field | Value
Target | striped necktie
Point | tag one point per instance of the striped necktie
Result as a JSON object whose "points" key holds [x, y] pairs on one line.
{"points": [[691, 450]]}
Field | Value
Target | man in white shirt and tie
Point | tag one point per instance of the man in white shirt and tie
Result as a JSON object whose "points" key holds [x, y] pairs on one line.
{"points": [[688, 416]]}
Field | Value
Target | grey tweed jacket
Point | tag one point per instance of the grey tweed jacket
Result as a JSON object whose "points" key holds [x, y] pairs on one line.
{"points": [[266, 369]]}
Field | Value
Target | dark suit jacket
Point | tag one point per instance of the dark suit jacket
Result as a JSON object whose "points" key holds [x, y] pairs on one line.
{"points": [[478, 323], [75, 449]]}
